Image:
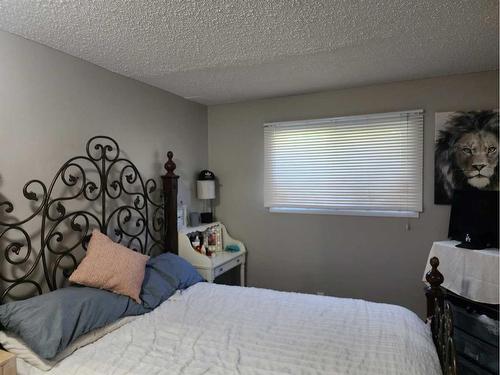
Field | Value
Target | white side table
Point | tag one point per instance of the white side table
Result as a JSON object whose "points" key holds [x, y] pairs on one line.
{"points": [[472, 274], [216, 265]]}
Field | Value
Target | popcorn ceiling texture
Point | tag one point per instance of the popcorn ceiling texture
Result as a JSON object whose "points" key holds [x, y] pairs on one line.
{"points": [[218, 51]]}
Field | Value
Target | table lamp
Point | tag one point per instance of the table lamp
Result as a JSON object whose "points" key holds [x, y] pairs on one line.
{"points": [[205, 187]]}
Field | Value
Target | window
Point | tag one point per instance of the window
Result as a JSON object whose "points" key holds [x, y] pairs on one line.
{"points": [[355, 165]]}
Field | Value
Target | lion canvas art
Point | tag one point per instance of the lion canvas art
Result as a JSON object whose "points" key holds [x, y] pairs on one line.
{"points": [[466, 153]]}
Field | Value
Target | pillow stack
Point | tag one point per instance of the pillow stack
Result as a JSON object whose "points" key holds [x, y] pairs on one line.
{"points": [[116, 282]]}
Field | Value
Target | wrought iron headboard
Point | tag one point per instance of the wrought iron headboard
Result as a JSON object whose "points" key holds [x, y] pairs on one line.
{"points": [[115, 199]]}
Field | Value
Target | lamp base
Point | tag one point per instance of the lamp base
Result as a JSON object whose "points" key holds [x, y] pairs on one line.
{"points": [[206, 217]]}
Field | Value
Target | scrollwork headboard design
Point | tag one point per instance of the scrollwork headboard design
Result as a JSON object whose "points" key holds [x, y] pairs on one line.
{"points": [[110, 195]]}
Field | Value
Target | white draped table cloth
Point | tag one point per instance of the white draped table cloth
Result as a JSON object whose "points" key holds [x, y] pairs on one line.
{"points": [[472, 274]]}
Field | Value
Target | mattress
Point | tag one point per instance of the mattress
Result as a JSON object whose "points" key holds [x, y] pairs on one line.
{"points": [[218, 329]]}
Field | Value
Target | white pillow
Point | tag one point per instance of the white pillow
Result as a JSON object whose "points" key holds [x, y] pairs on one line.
{"points": [[13, 344]]}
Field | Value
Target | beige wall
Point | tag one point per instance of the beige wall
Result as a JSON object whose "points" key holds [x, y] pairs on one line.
{"points": [[52, 103], [360, 257]]}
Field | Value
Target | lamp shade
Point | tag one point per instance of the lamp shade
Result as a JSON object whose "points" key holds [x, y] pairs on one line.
{"points": [[205, 189]]}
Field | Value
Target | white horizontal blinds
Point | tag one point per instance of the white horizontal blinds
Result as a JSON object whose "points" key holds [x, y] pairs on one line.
{"points": [[355, 163]]}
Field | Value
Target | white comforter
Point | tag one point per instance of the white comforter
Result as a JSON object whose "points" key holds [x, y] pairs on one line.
{"points": [[216, 329]]}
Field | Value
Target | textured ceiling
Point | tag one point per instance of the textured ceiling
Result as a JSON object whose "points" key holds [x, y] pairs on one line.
{"points": [[217, 51]]}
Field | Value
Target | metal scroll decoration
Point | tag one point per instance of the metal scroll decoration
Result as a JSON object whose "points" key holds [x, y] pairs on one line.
{"points": [[442, 335], [110, 195]]}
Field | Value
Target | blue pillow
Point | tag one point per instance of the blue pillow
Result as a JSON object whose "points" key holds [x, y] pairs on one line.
{"points": [[157, 286], [172, 266], [48, 323]]}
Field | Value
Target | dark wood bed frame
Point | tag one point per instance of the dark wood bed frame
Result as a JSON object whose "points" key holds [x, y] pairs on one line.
{"points": [[440, 318], [118, 201]]}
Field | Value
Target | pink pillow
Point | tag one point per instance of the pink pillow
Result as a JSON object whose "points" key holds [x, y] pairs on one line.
{"points": [[111, 266]]}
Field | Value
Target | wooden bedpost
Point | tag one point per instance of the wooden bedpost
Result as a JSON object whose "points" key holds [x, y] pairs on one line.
{"points": [[433, 292], [170, 202]]}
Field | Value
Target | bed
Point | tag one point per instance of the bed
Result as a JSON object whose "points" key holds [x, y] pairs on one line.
{"points": [[206, 328], [217, 329]]}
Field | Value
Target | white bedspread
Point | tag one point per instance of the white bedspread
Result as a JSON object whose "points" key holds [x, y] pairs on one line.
{"points": [[215, 329]]}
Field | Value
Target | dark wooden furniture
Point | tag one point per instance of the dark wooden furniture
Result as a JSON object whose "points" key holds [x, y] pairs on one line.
{"points": [[99, 189], [475, 335], [465, 332]]}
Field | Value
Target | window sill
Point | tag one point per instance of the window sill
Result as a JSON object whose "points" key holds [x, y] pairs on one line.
{"points": [[331, 211]]}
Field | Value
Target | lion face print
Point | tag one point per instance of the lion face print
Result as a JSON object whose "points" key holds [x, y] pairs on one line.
{"points": [[476, 154], [466, 154]]}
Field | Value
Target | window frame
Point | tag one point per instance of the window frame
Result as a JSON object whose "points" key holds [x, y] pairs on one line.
{"points": [[361, 211]]}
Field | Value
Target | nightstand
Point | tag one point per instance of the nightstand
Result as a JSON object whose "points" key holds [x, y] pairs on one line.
{"points": [[7, 363], [217, 264]]}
